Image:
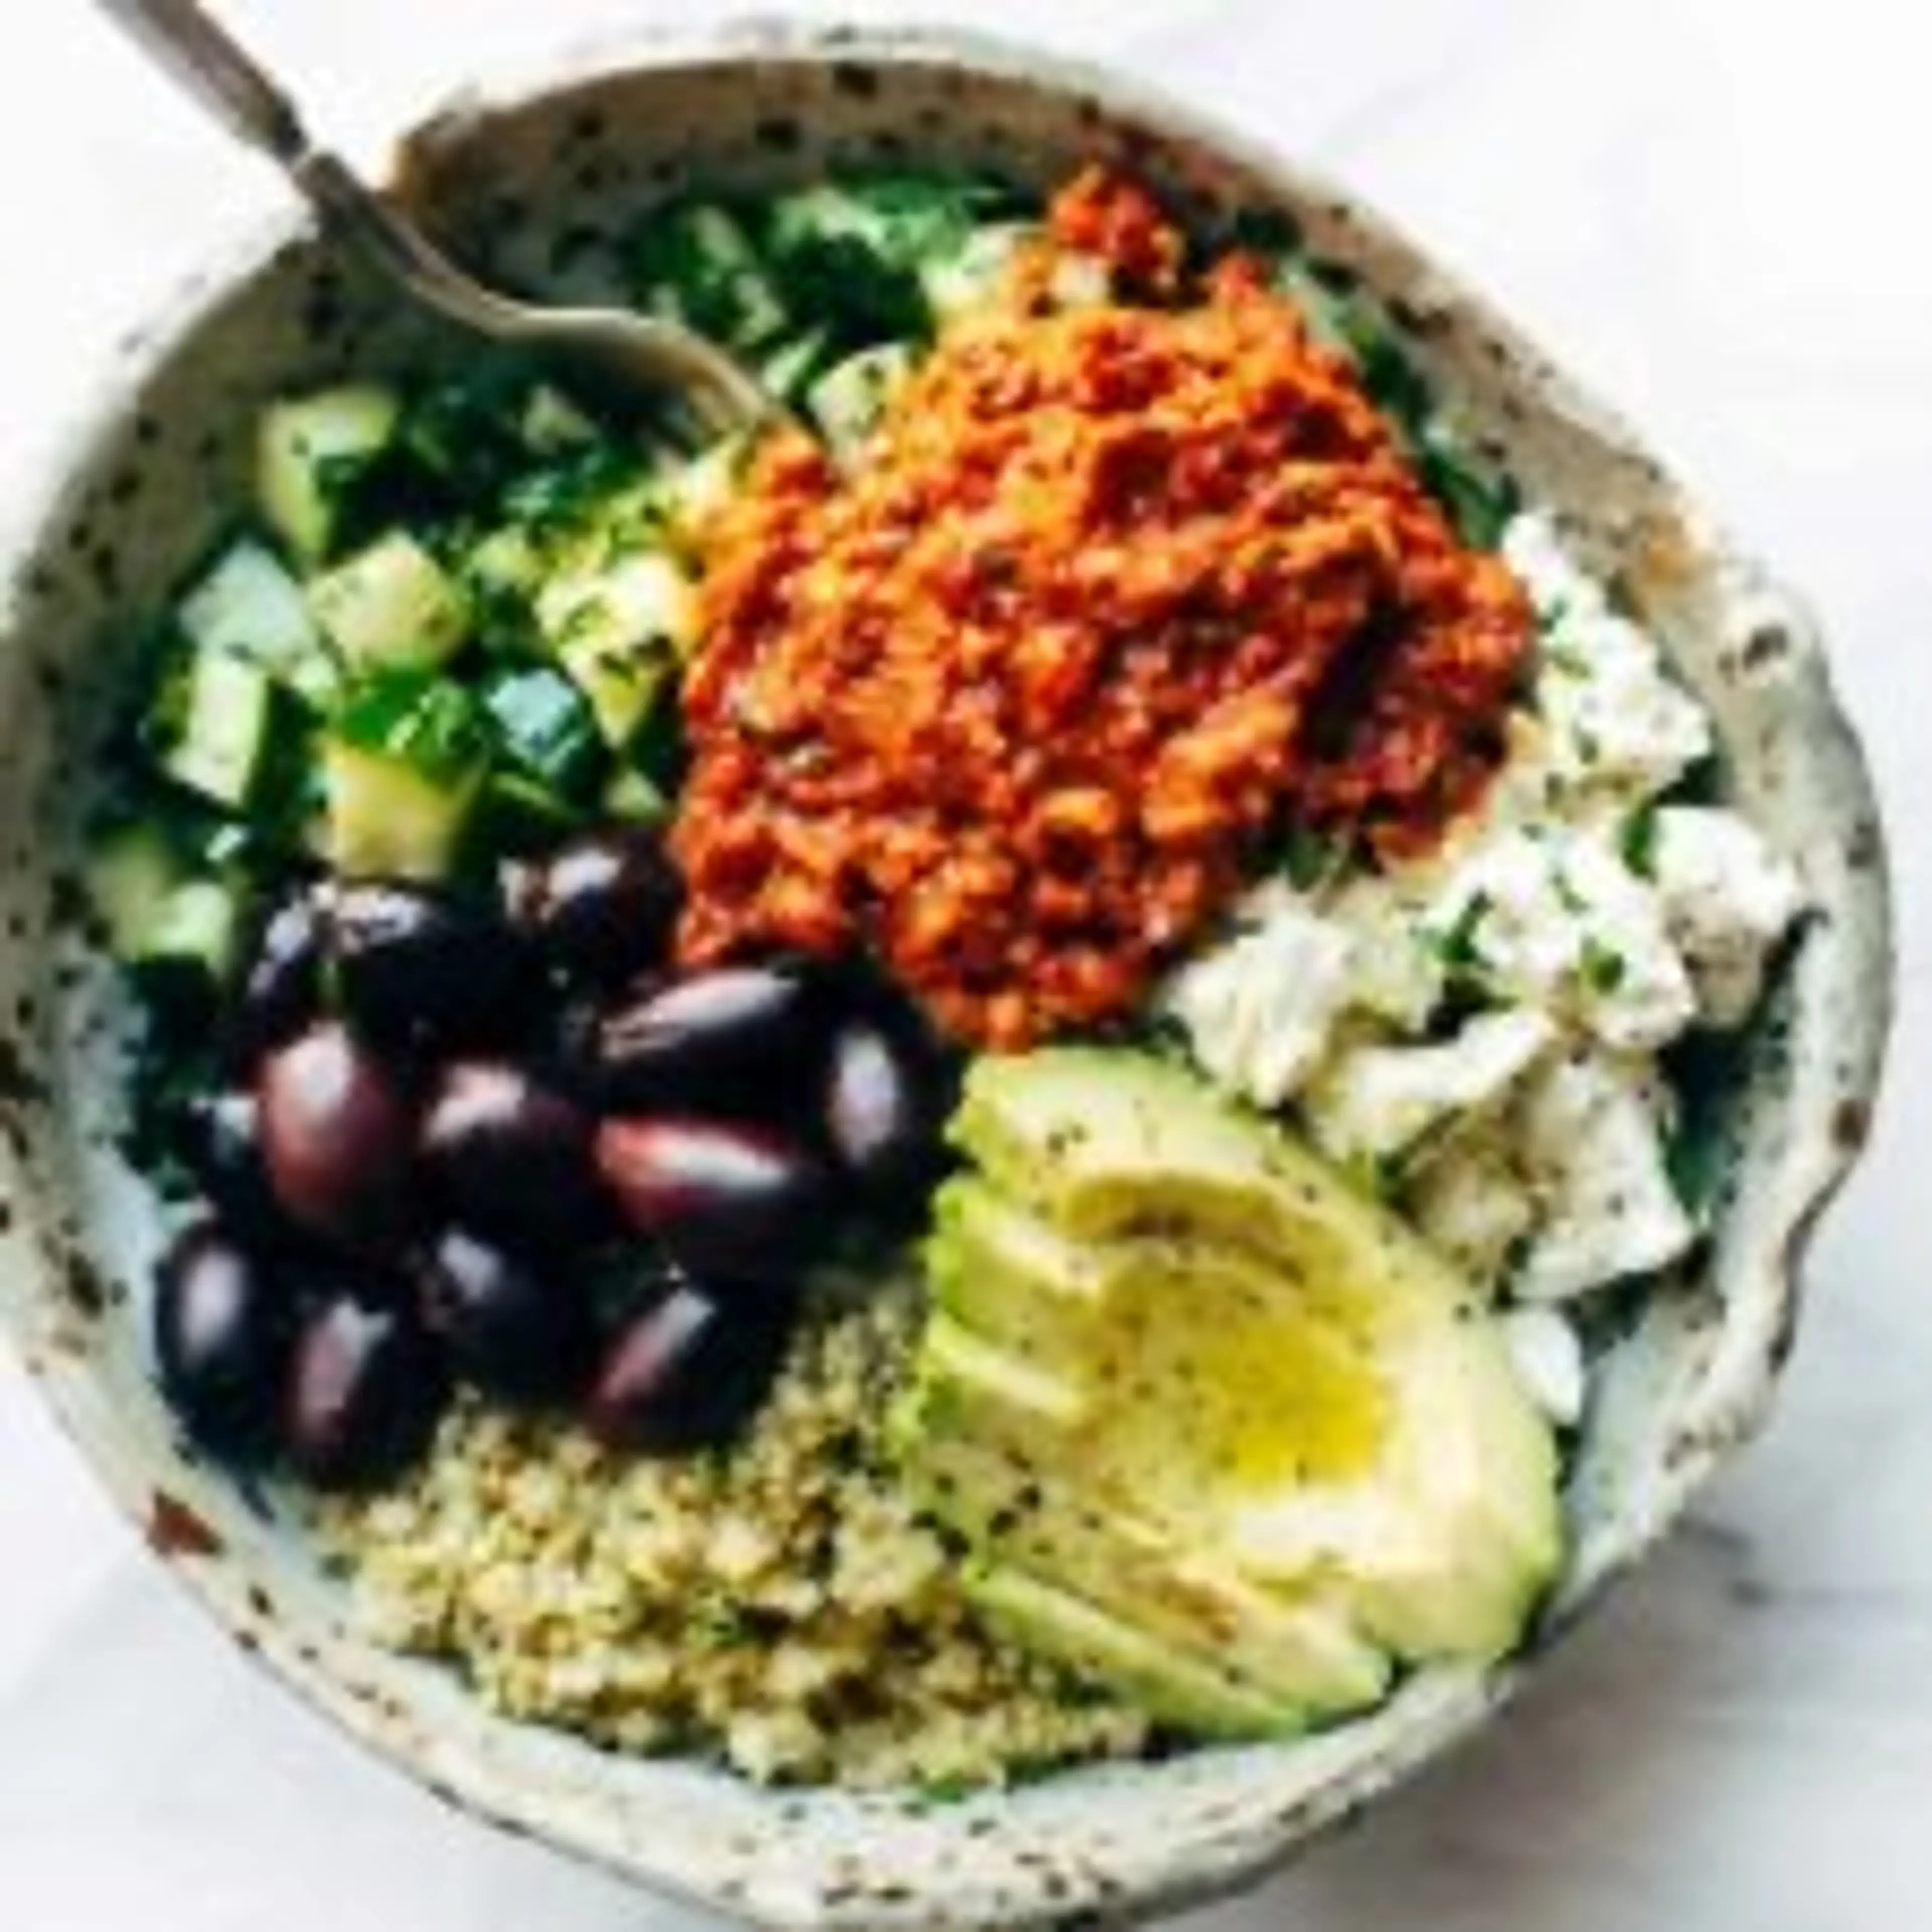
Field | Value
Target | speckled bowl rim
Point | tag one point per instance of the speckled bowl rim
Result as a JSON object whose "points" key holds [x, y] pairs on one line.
{"points": [[1736, 1393]]}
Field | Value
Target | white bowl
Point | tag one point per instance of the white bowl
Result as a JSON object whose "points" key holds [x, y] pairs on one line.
{"points": [[561, 157]]}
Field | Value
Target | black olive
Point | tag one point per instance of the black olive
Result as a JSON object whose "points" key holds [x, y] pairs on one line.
{"points": [[281, 991], [689, 1371], [887, 1099], [338, 1138], [746, 1041], [365, 1388], [419, 970], [513, 1333], [221, 1145], [601, 908], [722, 1198], [509, 1157], [221, 1327]]}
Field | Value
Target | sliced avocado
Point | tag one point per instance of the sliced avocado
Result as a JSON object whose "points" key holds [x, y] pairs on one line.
{"points": [[1039, 1615], [1179, 1371], [1302, 1652]]}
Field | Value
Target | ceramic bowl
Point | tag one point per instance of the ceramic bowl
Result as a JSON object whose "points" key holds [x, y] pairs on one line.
{"points": [[529, 180]]}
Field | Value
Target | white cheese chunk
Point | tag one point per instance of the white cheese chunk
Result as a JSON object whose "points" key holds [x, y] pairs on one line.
{"points": [[1260, 1010], [1560, 921], [1549, 1357], [1474, 1204], [1378, 1103], [1728, 899], [1616, 721], [1398, 972], [1591, 1141]]}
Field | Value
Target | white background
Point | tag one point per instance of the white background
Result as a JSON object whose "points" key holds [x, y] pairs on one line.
{"points": [[1717, 210]]}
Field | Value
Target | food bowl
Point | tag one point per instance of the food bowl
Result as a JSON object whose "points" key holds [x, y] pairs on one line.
{"points": [[524, 180]]}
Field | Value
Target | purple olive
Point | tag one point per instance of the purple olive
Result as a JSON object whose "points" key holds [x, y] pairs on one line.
{"points": [[221, 1329], [281, 991], [742, 1040], [887, 1099], [723, 1199], [365, 1389], [510, 1332], [221, 1146], [510, 1158], [419, 971], [338, 1137], [601, 908], [688, 1372]]}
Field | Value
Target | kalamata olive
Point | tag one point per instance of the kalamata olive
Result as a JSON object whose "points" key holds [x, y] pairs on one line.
{"points": [[688, 1371], [221, 1327], [724, 1199], [221, 1145], [365, 1388], [338, 1136], [419, 970], [739, 1040], [507, 1157], [601, 907], [886, 1103], [513, 1333], [281, 991]]}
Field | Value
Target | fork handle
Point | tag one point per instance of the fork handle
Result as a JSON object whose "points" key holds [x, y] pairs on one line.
{"points": [[196, 51], [213, 67]]}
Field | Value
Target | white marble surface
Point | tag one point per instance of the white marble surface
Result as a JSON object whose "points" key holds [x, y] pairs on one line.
{"points": [[1715, 207]]}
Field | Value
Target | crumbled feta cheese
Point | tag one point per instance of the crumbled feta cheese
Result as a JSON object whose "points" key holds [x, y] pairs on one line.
{"points": [[1259, 1010], [1616, 720], [1549, 1357], [1397, 973], [1728, 898], [1474, 1204], [1377, 1102], [1559, 920], [1591, 1141]]}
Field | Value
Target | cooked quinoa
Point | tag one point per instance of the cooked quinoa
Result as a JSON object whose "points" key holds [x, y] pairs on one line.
{"points": [[777, 1607]]}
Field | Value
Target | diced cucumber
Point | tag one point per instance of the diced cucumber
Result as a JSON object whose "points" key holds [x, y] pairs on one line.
{"points": [[852, 256], [387, 819], [314, 453], [631, 796], [622, 680], [546, 729], [692, 494], [501, 577], [247, 603], [402, 770], [847, 401], [192, 948], [791, 368], [968, 278], [132, 869], [392, 606], [551, 424], [221, 725], [432, 723], [695, 263], [619, 631], [178, 933]]}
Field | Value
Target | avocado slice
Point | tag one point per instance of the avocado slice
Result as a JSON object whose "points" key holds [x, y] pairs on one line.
{"points": [[1180, 1375], [1179, 1689]]}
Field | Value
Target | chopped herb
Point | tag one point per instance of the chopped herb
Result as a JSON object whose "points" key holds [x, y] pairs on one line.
{"points": [[1455, 947], [1637, 841], [1604, 967], [1312, 860]]}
